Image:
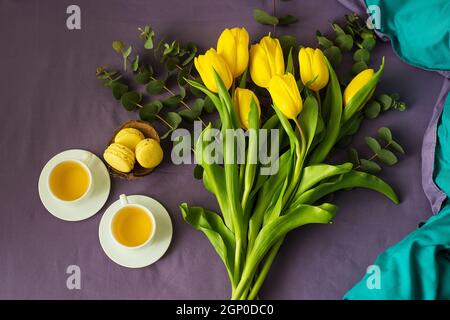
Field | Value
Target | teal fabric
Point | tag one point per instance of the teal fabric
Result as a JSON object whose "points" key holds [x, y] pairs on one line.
{"points": [[418, 267], [418, 29]]}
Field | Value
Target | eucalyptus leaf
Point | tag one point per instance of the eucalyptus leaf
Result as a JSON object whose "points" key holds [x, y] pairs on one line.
{"points": [[396, 147], [368, 43], [358, 67], [149, 110], [324, 41], [127, 52], [287, 20], [130, 99], [385, 134], [385, 101], [334, 55], [155, 87], [387, 157], [373, 144], [361, 55], [263, 17], [118, 46], [344, 42], [172, 102], [370, 166], [183, 74], [353, 156], [135, 64], [198, 172], [372, 109], [208, 105], [143, 77], [118, 89]]}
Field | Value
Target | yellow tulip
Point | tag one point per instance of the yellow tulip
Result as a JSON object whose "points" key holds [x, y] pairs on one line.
{"points": [[313, 68], [359, 81], [266, 61], [241, 100], [207, 63], [233, 47], [285, 95]]}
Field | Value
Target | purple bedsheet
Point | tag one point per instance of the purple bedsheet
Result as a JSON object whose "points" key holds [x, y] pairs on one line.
{"points": [[51, 101]]}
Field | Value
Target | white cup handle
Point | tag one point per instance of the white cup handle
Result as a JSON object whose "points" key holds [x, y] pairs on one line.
{"points": [[86, 158], [123, 200]]}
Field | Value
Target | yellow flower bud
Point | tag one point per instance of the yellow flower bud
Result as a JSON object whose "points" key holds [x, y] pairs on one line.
{"points": [[285, 95], [233, 47], [359, 81], [207, 63], [313, 68], [242, 100], [266, 61]]}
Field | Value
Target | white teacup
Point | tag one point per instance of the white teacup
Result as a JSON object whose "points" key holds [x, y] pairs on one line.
{"points": [[66, 172], [132, 226]]}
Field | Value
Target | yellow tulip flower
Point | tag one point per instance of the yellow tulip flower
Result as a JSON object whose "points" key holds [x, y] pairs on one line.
{"points": [[285, 95], [313, 68], [233, 47], [266, 61], [207, 63], [359, 81], [241, 100]]}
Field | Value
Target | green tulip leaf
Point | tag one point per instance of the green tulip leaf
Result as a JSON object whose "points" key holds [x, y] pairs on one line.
{"points": [[212, 225], [314, 174], [352, 179], [290, 64], [333, 104], [287, 42]]}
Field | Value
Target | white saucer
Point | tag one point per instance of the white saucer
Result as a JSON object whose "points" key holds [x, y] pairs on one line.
{"points": [[148, 254], [84, 208]]}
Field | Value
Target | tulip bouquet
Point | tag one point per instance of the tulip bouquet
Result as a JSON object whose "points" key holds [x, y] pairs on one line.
{"points": [[258, 210]]}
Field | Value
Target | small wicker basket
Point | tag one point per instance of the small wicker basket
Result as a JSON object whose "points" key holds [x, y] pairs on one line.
{"points": [[149, 132]]}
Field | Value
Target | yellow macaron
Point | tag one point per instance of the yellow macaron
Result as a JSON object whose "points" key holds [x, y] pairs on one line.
{"points": [[119, 157], [149, 153], [129, 137]]}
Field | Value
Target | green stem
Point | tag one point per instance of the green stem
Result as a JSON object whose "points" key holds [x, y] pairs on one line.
{"points": [[265, 269]]}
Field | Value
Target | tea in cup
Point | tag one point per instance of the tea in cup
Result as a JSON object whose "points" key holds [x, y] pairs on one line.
{"points": [[70, 180], [132, 225]]}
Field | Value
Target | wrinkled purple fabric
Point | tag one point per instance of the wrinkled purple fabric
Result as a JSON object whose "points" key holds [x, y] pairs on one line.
{"points": [[52, 101]]}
